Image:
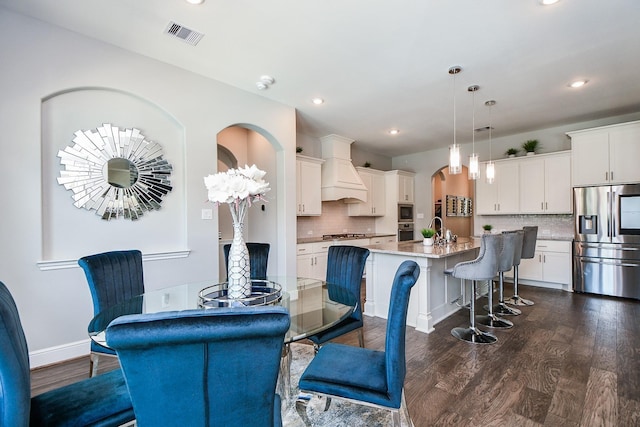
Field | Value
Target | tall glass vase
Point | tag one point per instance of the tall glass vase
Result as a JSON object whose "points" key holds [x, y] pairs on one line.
{"points": [[238, 268]]}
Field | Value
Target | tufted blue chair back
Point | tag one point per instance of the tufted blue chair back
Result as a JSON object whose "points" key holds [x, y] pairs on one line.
{"points": [[258, 259], [485, 266], [406, 276], [345, 266], [15, 383], [113, 277], [529, 241], [215, 367], [511, 242], [102, 401]]}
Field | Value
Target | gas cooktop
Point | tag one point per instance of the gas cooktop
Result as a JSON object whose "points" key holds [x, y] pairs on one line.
{"points": [[343, 236]]}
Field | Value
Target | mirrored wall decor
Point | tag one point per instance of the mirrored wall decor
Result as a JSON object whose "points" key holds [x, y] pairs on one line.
{"points": [[116, 172]]}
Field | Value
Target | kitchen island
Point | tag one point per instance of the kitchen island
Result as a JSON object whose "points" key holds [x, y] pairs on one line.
{"points": [[434, 295]]}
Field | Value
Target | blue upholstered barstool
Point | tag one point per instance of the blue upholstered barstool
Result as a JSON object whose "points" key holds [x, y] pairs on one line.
{"points": [[510, 240], [502, 309], [484, 267], [528, 252]]}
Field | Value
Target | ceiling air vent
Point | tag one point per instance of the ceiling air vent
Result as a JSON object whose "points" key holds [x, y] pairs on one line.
{"points": [[183, 33]]}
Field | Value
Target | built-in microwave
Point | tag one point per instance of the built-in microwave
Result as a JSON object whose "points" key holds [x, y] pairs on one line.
{"points": [[405, 213]]}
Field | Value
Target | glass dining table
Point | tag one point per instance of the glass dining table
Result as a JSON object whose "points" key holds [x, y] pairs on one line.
{"points": [[312, 305]]}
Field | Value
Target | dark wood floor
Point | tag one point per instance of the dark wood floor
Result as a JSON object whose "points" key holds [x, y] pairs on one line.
{"points": [[570, 360]]}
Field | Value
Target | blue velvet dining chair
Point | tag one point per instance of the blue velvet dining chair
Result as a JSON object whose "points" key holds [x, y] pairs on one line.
{"points": [[103, 400], [216, 367], [361, 375], [345, 266], [258, 259], [113, 277]]}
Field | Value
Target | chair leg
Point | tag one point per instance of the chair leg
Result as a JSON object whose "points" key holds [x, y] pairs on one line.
{"points": [[301, 407], [517, 299], [492, 320], [284, 375], [327, 404], [473, 334], [93, 364], [361, 337], [403, 404]]}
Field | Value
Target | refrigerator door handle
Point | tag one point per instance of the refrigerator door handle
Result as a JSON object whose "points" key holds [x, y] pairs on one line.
{"points": [[612, 213], [608, 214]]}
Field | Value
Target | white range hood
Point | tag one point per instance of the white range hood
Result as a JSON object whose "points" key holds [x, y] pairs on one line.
{"points": [[340, 180]]}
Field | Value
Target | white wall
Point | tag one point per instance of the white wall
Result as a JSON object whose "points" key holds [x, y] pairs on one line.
{"points": [[39, 60]]}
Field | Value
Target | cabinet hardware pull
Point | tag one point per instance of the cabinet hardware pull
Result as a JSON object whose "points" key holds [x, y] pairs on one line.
{"points": [[606, 176], [539, 258], [546, 206], [611, 175], [542, 205]]}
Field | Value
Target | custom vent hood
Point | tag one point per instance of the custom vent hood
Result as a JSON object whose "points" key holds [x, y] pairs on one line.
{"points": [[340, 180]]}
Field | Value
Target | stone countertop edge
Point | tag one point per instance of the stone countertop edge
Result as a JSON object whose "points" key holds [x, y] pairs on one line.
{"points": [[416, 248], [318, 239]]}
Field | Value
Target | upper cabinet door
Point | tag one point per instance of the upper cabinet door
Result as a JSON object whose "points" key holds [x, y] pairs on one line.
{"points": [[376, 194], [557, 184], [590, 158], [624, 152], [508, 179], [405, 189], [308, 175], [532, 185]]}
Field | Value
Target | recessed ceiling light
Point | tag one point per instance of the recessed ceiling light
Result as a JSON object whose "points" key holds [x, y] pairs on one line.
{"points": [[548, 2], [394, 131], [317, 101], [195, 1], [578, 83]]}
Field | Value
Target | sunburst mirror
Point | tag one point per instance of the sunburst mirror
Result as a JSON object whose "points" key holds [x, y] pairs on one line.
{"points": [[116, 172]]}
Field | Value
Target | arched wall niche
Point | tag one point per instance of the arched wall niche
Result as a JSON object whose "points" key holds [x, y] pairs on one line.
{"points": [[249, 144], [67, 229]]}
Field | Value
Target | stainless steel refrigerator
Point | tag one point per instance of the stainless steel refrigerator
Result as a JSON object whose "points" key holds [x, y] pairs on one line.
{"points": [[606, 248]]}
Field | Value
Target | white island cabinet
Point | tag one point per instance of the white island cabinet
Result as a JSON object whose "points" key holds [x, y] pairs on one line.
{"points": [[434, 296]]}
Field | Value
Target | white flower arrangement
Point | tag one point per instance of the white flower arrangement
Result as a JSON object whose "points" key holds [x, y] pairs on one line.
{"points": [[237, 187]]}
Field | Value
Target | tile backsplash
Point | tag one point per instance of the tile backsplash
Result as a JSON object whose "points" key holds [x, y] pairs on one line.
{"points": [[334, 219], [549, 226]]}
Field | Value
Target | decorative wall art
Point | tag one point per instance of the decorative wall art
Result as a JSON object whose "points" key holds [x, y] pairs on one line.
{"points": [[116, 172]]}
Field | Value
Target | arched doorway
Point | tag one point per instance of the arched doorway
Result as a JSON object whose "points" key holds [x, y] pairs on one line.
{"points": [[459, 189], [238, 145]]}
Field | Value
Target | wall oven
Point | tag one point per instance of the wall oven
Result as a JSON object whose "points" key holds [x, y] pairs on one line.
{"points": [[606, 251], [405, 231], [405, 213]]}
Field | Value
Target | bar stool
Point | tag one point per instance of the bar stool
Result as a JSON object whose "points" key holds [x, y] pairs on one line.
{"points": [[528, 252], [505, 261], [484, 267], [502, 309]]}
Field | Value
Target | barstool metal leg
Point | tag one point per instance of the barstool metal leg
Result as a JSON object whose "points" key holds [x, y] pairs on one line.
{"points": [[501, 309], [517, 299], [473, 334], [490, 319]]}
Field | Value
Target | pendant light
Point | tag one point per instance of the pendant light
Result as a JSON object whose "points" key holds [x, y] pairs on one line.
{"points": [[491, 167], [474, 166], [455, 161]]}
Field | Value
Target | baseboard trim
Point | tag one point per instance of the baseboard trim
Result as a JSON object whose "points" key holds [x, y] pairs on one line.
{"points": [[60, 353]]}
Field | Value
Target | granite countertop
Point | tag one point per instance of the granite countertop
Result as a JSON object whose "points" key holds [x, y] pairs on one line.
{"points": [[317, 239], [416, 248]]}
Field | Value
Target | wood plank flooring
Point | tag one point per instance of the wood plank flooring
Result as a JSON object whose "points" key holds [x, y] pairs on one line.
{"points": [[570, 360]]}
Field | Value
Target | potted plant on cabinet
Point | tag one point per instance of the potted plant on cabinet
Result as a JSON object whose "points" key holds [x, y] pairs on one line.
{"points": [[428, 234], [511, 152], [530, 146], [487, 228]]}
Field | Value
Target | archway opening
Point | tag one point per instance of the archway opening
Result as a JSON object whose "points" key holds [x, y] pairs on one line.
{"points": [[452, 201]]}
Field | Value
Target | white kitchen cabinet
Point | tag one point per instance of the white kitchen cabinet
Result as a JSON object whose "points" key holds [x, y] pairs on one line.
{"points": [[376, 194], [545, 183], [311, 260], [308, 191], [405, 187], [605, 155], [503, 195], [551, 263]]}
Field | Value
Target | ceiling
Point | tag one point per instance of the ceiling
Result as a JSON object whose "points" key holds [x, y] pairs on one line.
{"points": [[384, 64]]}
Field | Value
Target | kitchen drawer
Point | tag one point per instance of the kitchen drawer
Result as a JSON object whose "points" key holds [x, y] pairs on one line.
{"points": [[553, 246]]}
